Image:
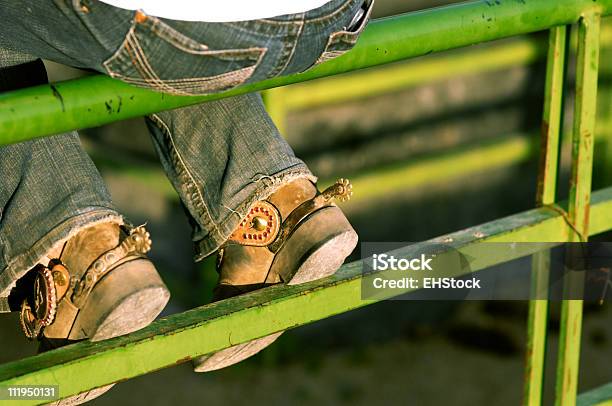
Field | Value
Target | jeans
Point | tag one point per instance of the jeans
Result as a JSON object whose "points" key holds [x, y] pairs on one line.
{"points": [[220, 156]]}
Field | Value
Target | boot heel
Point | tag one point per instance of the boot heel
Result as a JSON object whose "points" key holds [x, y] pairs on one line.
{"points": [[133, 288], [316, 249], [125, 300]]}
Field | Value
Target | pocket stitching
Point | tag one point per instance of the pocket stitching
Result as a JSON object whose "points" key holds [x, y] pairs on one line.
{"points": [[142, 65], [183, 88], [348, 37], [149, 75], [191, 46], [137, 57], [172, 36]]}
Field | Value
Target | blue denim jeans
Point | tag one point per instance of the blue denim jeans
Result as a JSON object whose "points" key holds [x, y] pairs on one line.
{"points": [[220, 156]]}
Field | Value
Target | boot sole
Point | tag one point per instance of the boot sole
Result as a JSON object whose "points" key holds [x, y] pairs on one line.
{"points": [[125, 300], [301, 259]]}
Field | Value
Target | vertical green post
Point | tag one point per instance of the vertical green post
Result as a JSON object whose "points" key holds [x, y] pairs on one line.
{"points": [[579, 199], [546, 194]]}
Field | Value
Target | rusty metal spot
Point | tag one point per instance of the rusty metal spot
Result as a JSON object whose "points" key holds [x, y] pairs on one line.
{"points": [[183, 360]]}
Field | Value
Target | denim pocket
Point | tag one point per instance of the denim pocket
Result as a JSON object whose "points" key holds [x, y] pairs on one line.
{"points": [[157, 56], [343, 41]]}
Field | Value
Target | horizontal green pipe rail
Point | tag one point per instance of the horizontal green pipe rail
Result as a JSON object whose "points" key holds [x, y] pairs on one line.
{"points": [[178, 338], [97, 100]]}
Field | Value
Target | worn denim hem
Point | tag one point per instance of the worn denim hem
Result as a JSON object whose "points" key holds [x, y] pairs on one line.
{"points": [[21, 264], [266, 185]]}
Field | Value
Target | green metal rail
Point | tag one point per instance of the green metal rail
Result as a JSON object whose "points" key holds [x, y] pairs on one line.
{"points": [[180, 337], [70, 105], [84, 103]]}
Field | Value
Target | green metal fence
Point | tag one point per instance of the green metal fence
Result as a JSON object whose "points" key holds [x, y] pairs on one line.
{"points": [[45, 110]]}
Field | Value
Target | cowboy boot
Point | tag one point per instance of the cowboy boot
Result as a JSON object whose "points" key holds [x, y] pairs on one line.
{"points": [[295, 236], [99, 285]]}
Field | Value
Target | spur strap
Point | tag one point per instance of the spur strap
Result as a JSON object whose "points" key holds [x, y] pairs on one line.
{"points": [[137, 244], [264, 226], [54, 283]]}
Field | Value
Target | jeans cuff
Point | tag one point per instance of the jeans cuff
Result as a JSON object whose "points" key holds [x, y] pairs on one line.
{"points": [[265, 186], [19, 265]]}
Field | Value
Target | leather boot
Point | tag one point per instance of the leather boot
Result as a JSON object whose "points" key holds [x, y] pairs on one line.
{"points": [[295, 236], [99, 285]]}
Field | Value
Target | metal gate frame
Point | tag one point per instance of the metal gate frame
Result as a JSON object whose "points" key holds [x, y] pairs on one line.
{"points": [[83, 103]]}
